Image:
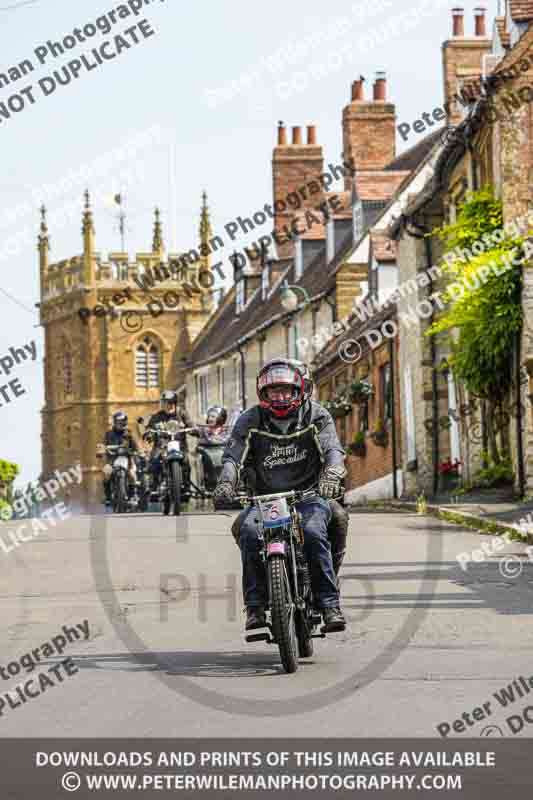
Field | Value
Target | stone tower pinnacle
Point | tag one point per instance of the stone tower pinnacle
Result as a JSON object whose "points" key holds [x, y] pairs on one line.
{"points": [[157, 242], [205, 233], [43, 247]]}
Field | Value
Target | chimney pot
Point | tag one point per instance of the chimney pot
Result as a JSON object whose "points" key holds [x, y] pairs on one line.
{"points": [[481, 29], [311, 134], [458, 21], [380, 86], [282, 134], [296, 134], [357, 90]]}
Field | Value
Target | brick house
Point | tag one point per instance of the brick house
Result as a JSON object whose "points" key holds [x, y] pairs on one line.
{"points": [[488, 146], [374, 472]]}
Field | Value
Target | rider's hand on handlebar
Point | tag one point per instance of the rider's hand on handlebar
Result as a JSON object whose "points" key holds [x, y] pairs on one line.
{"points": [[329, 483]]}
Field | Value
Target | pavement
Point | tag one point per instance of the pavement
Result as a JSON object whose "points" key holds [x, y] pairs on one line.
{"points": [[428, 640], [484, 506]]}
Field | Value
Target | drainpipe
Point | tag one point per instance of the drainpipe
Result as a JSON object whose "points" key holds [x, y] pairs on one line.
{"points": [[519, 446], [243, 376], [393, 427], [333, 305]]}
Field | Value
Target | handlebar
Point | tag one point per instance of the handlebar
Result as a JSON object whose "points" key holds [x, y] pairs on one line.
{"points": [[294, 496], [111, 448]]}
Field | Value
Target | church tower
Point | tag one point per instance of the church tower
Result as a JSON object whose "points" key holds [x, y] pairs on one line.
{"points": [[117, 332]]}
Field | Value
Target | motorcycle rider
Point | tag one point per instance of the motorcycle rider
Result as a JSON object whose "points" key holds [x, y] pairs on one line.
{"points": [[291, 443], [169, 410], [216, 424], [213, 437], [117, 435]]}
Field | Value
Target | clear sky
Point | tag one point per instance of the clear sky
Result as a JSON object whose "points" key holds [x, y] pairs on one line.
{"points": [[206, 92]]}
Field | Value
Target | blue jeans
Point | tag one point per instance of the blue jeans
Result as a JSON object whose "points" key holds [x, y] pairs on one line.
{"points": [[316, 515]]}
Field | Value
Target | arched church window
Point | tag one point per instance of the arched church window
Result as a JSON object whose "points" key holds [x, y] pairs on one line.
{"points": [[147, 364]]}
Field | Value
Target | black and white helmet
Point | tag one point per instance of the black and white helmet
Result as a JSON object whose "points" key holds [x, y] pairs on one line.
{"points": [[120, 421], [168, 398], [216, 415]]}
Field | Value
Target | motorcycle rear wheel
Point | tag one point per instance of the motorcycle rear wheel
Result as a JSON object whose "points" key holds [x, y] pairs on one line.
{"points": [[283, 614], [305, 643]]}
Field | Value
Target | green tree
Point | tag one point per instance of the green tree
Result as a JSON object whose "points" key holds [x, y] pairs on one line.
{"points": [[8, 473]]}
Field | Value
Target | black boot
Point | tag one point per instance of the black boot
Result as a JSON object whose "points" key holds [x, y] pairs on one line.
{"points": [[255, 618], [333, 620]]}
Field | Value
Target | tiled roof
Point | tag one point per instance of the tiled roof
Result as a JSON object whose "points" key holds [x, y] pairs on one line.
{"points": [[521, 10], [356, 328], [411, 158]]}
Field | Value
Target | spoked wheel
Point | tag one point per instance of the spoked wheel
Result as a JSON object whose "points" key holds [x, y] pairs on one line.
{"points": [[175, 486], [121, 494], [283, 614], [145, 495]]}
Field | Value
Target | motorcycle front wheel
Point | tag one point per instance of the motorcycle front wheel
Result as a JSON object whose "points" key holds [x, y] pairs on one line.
{"points": [[283, 613], [175, 486], [120, 504]]}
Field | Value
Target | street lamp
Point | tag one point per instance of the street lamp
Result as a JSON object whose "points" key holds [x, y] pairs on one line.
{"points": [[289, 296], [291, 302]]}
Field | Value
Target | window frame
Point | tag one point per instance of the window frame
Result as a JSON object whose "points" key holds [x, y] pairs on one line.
{"points": [[147, 346]]}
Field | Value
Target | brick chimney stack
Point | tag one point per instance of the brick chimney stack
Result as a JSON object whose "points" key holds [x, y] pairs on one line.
{"points": [[294, 166], [462, 61], [458, 17], [481, 29], [369, 129]]}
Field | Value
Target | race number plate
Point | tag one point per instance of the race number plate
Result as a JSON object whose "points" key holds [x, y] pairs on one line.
{"points": [[275, 513], [121, 461]]}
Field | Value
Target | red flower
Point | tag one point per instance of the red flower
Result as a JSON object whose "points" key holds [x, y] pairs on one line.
{"points": [[448, 467]]}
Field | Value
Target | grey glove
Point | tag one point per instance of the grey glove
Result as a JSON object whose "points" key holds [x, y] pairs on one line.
{"points": [[224, 492], [329, 482]]}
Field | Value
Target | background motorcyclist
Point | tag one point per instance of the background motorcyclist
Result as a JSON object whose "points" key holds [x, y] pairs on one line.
{"points": [[213, 438], [117, 435], [215, 429], [292, 443], [169, 410]]}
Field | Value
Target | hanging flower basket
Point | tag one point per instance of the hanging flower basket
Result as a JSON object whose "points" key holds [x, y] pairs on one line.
{"points": [[339, 407], [357, 449], [360, 391], [380, 436]]}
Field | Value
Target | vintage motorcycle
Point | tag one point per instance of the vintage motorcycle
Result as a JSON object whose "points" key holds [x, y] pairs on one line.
{"points": [[172, 490], [293, 618], [142, 486], [120, 457], [208, 456]]}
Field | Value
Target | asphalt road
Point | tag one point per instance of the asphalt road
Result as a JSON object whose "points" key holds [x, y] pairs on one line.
{"points": [[166, 656]]}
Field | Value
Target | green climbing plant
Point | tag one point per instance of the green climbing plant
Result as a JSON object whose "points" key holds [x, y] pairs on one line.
{"points": [[483, 300]]}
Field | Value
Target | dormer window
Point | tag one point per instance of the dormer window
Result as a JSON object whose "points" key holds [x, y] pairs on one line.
{"points": [[330, 240], [265, 280], [298, 259], [358, 223], [239, 295]]}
